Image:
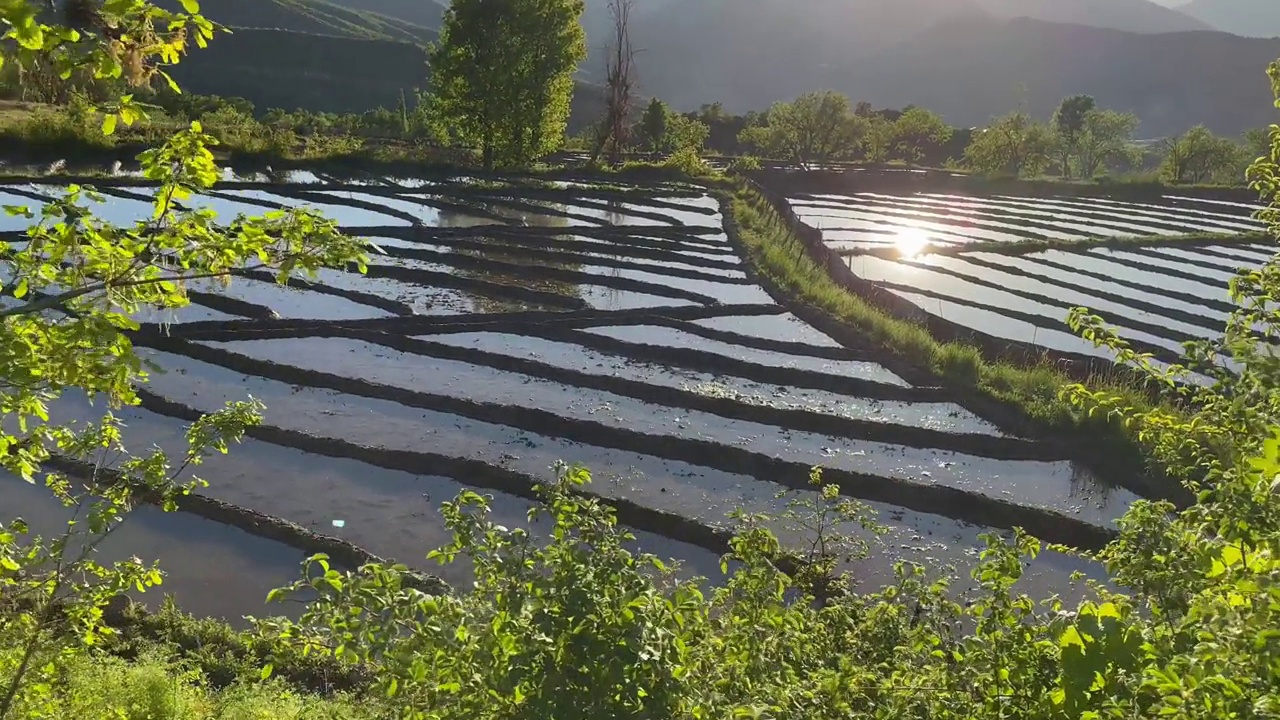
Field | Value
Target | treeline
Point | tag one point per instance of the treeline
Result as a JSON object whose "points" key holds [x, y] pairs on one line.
{"points": [[1080, 141]]}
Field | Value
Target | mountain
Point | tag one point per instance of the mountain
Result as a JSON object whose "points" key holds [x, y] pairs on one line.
{"points": [[427, 13], [750, 53], [973, 68], [1133, 15], [1253, 18], [286, 69], [310, 16], [951, 56]]}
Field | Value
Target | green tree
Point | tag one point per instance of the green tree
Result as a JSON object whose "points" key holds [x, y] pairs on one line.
{"points": [[653, 125], [1106, 138], [814, 128], [878, 140], [502, 75], [1014, 145], [916, 131], [1069, 123], [685, 132], [1198, 156]]}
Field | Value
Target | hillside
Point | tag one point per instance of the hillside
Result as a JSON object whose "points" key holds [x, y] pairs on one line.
{"points": [[284, 69], [1133, 15], [750, 53], [949, 55], [971, 69], [310, 16], [426, 13], [1253, 18]]}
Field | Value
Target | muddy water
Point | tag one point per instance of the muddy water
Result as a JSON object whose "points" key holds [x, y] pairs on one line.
{"points": [[671, 337], [1042, 484], [1096, 261], [948, 417], [785, 326], [211, 569], [392, 513], [862, 221]]}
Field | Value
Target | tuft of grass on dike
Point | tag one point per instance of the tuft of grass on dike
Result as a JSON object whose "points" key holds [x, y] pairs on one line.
{"points": [[1032, 390]]}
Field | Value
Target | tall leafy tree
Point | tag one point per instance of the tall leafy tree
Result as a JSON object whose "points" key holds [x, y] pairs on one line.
{"points": [[1014, 144], [916, 131], [816, 127], [502, 75], [685, 132], [653, 125], [1069, 124], [1107, 137], [1198, 156]]}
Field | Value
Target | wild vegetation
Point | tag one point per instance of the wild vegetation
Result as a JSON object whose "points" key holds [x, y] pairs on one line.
{"points": [[575, 623]]}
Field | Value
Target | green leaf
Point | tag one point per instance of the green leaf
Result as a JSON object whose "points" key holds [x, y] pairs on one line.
{"points": [[267, 670], [9, 563], [173, 85], [109, 124], [191, 6], [1070, 637]]}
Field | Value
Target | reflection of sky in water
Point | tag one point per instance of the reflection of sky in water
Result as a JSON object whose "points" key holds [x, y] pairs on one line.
{"points": [[689, 490], [210, 568], [385, 510]]}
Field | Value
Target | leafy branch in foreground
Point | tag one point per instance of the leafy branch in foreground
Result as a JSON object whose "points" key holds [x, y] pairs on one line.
{"points": [[72, 288]]}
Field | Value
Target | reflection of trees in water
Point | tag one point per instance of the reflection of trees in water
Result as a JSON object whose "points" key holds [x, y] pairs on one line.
{"points": [[519, 218], [1089, 487], [615, 214]]}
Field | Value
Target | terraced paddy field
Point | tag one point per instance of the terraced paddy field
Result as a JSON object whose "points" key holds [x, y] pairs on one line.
{"points": [[1013, 268], [503, 328]]}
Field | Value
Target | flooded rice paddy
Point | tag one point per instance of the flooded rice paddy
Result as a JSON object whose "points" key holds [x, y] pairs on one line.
{"points": [[1159, 296], [504, 328]]}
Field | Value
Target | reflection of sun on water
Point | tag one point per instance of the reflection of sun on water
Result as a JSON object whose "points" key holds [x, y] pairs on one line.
{"points": [[911, 242]]}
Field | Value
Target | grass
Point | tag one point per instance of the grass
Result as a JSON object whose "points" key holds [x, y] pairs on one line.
{"points": [[1034, 390], [222, 655], [150, 687], [169, 665]]}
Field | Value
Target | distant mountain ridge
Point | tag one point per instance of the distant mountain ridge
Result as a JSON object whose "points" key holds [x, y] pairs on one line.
{"points": [[427, 13], [962, 69], [952, 56], [322, 17], [1141, 16], [956, 58], [1253, 18]]}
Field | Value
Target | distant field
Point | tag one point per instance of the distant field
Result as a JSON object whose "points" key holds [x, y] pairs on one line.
{"points": [[961, 258]]}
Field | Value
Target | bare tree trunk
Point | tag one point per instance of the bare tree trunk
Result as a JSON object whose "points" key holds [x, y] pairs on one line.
{"points": [[614, 130]]}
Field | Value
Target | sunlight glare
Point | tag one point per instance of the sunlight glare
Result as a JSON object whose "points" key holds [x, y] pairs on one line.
{"points": [[911, 242]]}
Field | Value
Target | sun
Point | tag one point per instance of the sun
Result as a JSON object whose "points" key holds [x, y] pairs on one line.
{"points": [[911, 242]]}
